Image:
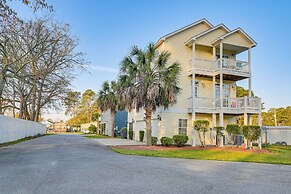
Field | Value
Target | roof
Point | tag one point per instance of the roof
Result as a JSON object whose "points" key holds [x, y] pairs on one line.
{"points": [[206, 32], [232, 32], [182, 29]]}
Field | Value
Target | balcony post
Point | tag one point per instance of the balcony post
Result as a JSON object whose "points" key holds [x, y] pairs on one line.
{"points": [[193, 94], [250, 78], [214, 95], [221, 53]]}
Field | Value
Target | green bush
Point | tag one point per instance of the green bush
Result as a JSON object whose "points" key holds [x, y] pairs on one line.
{"points": [[154, 140], [233, 129], [124, 129], [141, 136], [166, 141], [251, 132], [92, 128], [219, 133], [130, 134], [201, 126], [180, 140]]}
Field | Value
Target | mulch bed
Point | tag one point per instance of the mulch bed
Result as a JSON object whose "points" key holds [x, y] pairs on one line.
{"points": [[187, 147]]}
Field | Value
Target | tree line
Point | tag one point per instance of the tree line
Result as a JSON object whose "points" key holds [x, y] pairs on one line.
{"points": [[38, 59]]}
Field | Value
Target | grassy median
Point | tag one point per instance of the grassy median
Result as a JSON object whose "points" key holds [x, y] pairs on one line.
{"points": [[277, 154]]}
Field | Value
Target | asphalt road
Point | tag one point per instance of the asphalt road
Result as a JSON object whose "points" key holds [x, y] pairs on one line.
{"points": [[74, 164]]}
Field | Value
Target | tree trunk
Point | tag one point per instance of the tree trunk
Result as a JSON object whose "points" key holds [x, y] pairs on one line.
{"points": [[112, 123], [200, 138], [2, 85], [204, 142], [148, 116]]}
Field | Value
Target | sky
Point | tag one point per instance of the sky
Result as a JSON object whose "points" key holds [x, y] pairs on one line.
{"points": [[107, 30]]}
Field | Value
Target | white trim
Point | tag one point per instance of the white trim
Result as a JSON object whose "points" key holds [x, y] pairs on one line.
{"points": [[182, 29], [232, 32], [206, 32]]}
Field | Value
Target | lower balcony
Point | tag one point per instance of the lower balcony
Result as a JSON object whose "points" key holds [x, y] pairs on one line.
{"points": [[250, 105]]}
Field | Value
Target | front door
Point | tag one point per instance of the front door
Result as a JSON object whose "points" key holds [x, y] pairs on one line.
{"points": [[226, 93]]}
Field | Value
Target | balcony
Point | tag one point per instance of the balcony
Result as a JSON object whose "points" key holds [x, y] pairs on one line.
{"points": [[229, 105], [239, 69]]}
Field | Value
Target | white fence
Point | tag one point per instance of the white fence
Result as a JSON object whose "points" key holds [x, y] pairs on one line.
{"points": [[277, 134], [12, 129]]}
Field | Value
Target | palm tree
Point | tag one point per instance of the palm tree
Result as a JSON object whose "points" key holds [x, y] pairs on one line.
{"points": [[147, 81], [107, 100]]}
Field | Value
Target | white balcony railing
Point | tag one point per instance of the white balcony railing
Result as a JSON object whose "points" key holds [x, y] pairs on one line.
{"points": [[228, 104], [229, 65]]}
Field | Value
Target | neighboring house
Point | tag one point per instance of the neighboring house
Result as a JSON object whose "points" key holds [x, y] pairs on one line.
{"points": [[210, 70], [60, 127], [120, 121], [49, 124], [85, 126]]}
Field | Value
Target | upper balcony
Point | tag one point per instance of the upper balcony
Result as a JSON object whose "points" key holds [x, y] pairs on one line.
{"points": [[232, 69], [246, 104]]}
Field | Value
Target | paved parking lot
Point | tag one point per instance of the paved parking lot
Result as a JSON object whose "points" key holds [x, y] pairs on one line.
{"points": [[75, 164]]}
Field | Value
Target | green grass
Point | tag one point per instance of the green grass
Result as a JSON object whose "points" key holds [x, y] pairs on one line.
{"points": [[96, 136], [278, 155], [21, 140]]}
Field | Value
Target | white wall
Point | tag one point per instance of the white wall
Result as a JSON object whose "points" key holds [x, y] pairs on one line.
{"points": [[277, 134], [106, 118], [12, 129]]}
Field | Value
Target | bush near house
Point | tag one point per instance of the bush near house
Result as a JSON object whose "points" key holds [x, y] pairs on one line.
{"points": [[141, 136], [166, 141], [233, 130], [92, 128], [154, 140], [130, 134], [201, 126], [251, 132], [180, 140]]}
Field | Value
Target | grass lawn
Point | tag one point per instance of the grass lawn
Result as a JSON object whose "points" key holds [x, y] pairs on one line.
{"points": [[96, 136], [277, 154], [21, 140]]}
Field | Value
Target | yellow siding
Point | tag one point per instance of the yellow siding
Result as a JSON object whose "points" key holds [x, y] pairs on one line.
{"points": [[211, 36], [239, 39]]}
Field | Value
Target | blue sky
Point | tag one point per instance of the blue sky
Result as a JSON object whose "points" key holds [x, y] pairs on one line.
{"points": [[107, 29]]}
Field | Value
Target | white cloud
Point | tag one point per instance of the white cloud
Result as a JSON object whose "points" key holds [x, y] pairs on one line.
{"points": [[100, 68]]}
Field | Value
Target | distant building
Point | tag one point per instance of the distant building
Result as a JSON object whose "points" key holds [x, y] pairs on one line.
{"points": [[120, 121], [85, 126], [60, 127]]}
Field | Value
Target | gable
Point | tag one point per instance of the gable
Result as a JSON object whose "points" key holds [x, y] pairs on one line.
{"points": [[239, 39], [211, 36]]}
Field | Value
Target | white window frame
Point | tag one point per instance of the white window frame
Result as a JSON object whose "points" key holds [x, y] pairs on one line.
{"points": [[196, 87], [182, 129]]}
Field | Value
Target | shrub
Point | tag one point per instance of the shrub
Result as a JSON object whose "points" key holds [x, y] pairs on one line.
{"points": [[219, 133], [233, 129], [251, 132], [180, 140], [201, 126], [130, 134], [154, 140], [92, 128], [124, 129], [166, 141], [141, 136]]}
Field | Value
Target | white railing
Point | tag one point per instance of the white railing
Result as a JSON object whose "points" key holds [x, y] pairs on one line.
{"points": [[227, 64], [231, 104], [233, 65]]}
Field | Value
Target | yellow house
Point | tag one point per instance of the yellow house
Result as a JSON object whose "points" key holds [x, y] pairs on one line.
{"points": [[209, 72]]}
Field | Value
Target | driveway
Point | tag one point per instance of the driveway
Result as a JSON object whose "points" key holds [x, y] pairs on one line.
{"points": [[75, 164], [117, 141]]}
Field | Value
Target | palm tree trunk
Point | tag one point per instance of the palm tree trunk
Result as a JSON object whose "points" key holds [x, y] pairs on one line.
{"points": [[148, 115], [112, 123]]}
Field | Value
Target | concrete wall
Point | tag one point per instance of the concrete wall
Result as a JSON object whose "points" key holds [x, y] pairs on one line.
{"points": [[277, 134], [12, 129]]}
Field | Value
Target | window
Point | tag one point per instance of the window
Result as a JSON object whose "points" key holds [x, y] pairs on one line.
{"points": [[130, 126], [196, 95], [182, 126]]}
